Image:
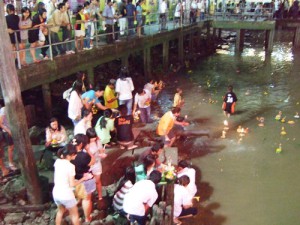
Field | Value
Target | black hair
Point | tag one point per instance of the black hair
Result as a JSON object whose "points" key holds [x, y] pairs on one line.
{"points": [[60, 5], [123, 110], [79, 8], [41, 11], [85, 4], [183, 180], [54, 119], [176, 110], [91, 133], [148, 161], [155, 176], [140, 90], [65, 1], [108, 1], [40, 5], [230, 87], [129, 176], [69, 149], [157, 146], [77, 87], [99, 88], [183, 164], [10, 7], [106, 114], [86, 112], [123, 72], [80, 139], [25, 9]]}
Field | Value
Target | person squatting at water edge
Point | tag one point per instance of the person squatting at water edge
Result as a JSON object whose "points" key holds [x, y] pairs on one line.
{"points": [[183, 206], [171, 126], [229, 101]]}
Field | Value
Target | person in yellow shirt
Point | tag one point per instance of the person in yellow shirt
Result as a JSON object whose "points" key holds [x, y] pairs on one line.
{"points": [[110, 97], [166, 126]]}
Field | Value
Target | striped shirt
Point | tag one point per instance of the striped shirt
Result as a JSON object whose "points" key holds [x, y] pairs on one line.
{"points": [[119, 196]]}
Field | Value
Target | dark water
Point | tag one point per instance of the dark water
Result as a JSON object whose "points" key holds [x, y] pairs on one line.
{"points": [[242, 180]]}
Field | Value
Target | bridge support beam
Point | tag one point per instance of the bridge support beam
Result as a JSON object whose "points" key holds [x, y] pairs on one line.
{"points": [[124, 60], [269, 40], [240, 35], [47, 99], [91, 75], [166, 55], [147, 61], [297, 38], [180, 48]]}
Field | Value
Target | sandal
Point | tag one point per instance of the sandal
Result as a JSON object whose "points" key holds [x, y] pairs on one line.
{"points": [[176, 221], [37, 61]]}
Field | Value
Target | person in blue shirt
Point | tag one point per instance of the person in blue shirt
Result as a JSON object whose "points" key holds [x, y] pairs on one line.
{"points": [[131, 14], [91, 98]]}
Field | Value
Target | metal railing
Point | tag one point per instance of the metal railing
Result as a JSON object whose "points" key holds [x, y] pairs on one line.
{"points": [[160, 22]]}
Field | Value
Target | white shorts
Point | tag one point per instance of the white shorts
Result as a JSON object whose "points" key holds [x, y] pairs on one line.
{"points": [[79, 33]]}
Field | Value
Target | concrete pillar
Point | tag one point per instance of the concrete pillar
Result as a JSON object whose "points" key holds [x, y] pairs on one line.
{"points": [[180, 48], [147, 61], [269, 40], [191, 42], [47, 99], [166, 55], [219, 33], [240, 34], [297, 38], [208, 29], [91, 75], [124, 60], [214, 32]]}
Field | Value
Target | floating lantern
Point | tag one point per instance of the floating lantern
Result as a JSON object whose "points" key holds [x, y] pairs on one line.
{"points": [[239, 129], [137, 115], [223, 134], [283, 132], [291, 122], [242, 133], [296, 115], [279, 149], [278, 116], [261, 121], [282, 120]]}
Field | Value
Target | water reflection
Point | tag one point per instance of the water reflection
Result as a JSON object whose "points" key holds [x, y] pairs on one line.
{"points": [[251, 183]]}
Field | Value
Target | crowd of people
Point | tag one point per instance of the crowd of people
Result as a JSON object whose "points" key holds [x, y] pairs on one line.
{"points": [[79, 162], [279, 9], [70, 31]]}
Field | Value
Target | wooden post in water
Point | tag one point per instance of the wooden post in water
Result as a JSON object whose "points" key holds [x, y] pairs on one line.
{"points": [[297, 38], [240, 34], [124, 60], [16, 114], [269, 41], [47, 99], [166, 55]]}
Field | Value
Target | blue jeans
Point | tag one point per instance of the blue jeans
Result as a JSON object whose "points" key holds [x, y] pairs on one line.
{"points": [[131, 26], [87, 40], [141, 220], [67, 36], [128, 103], [145, 114]]}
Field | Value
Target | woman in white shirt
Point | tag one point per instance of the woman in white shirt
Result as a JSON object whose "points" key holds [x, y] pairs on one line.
{"points": [[64, 181], [75, 103], [124, 88]]}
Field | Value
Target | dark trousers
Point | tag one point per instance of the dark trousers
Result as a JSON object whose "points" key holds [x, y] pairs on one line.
{"points": [[109, 36], [141, 220], [67, 36], [56, 48]]}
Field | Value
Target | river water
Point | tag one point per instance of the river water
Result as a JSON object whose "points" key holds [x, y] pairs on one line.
{"points": [[242, 180]]}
